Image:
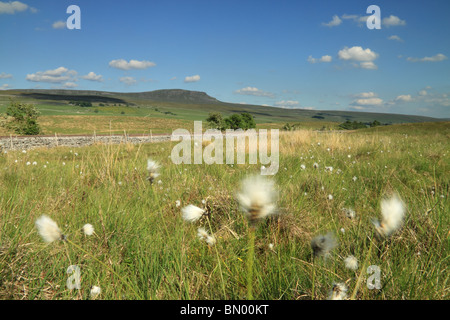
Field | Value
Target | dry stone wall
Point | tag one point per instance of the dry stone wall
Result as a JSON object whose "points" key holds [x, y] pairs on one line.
{"points": [[24, 143]]}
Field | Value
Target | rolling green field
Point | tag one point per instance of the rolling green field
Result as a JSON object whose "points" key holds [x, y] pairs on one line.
{"points": [[143, 249], [145, 111]]}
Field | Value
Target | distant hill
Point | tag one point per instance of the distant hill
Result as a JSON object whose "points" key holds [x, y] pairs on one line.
{"points": [[168, 95], [195, 104]]}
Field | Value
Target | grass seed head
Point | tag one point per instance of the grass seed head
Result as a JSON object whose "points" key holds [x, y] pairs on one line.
{"points": [[152, 168], [88, 229], [392, 213], [338, 291], [192, 213], [323, 244], [257, 197], [48, 229]]}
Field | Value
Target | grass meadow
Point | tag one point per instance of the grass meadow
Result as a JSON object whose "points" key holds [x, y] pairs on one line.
{"points": [[143, 249]]}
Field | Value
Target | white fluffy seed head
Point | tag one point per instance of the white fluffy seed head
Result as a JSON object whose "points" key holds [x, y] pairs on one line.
{"points": [[192, 213], [48, 229], [351, 263], [88, 229], [152, 168], [210, 240], [322, 245], [202, 233], [257, 197], [392, 215], [338, 292], [95, 291]]}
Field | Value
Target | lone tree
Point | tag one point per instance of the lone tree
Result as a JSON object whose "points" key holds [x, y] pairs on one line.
{"points": [[215, 120], [22, 118]]}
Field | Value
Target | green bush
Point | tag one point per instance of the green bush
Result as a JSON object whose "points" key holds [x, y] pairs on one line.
{"points": [[22, 118]]}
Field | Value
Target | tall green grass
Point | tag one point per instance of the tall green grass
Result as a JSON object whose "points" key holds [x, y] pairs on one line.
{"points": [[151, 253]]}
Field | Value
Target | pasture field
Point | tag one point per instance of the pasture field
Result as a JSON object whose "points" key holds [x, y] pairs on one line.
{"points": [[143, 249]]}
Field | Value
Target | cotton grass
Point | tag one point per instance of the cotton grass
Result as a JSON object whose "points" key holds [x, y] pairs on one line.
{"points": [[48, 229], [392, 213]]}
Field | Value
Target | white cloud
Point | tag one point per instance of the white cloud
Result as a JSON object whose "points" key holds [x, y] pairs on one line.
{"points": [[129, 81], [366, 99], [12, 7], [365, 95], [392, 21], [325, 58], [5, 86], [57, 75], [395, 37], [403, 98], [5, 76], [192, 78], [132, 64], [368, 65], [252, 91], [368, 102], [435, 58], [59, 25], [69, 85], [91, 76], [360, 20], [287, 104], [423, 92], [334, 22], [357, 53]]}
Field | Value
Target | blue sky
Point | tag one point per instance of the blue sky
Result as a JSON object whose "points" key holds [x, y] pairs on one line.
{"points": [[292, 54]]}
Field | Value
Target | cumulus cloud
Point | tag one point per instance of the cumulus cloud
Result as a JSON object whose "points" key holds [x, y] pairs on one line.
{"points": [[5, 86], [287, 104], [392, 21], [365, 95], [423, 92], [395, 37], [129, 81], [334, 22], [368, 65], [357, 53], [435, 58], [366, 99], [70, 85], [192, 78], [12, 7], [368, 102], [252, 91], [325, 58], [91, 76], [58, 75], [360, 20], [403, 98], [5, 76], [59, 25], [132, 64]]}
